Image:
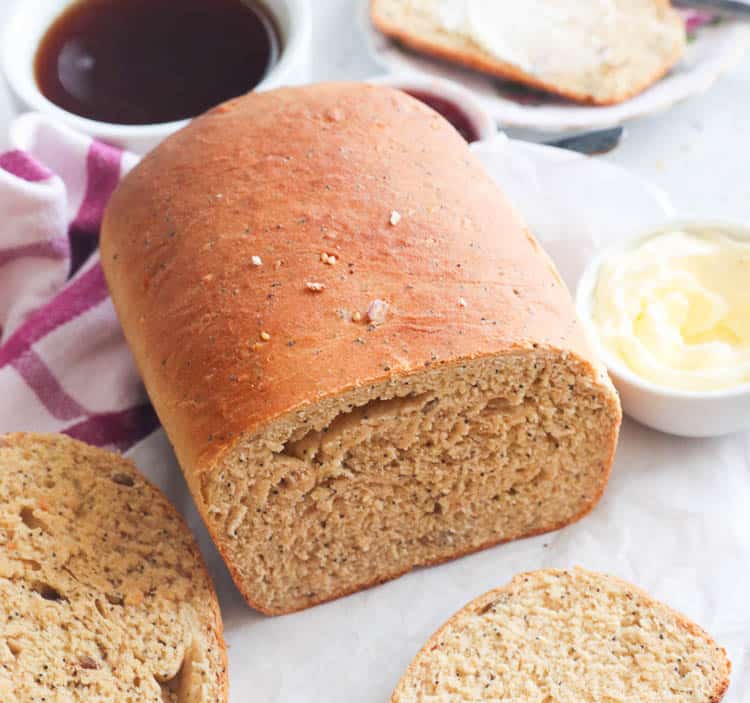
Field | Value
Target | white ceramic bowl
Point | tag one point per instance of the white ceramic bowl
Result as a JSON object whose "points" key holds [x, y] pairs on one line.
{"points": [[482, 121], [680, 412], [29, 19]]}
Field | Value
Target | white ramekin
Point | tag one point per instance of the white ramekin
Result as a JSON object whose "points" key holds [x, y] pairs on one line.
{"points": [[680, 412], [481, 120], [29, 19]]}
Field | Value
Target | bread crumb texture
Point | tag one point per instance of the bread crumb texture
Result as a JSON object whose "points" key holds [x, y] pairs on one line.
{"points": [[103, 594], [575, 636]]}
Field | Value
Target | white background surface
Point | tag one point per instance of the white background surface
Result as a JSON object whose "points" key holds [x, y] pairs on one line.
{"points": [[675, 518]]}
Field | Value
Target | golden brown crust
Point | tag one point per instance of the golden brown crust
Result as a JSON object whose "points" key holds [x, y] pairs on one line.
{"points": [[481, 601], [179, 236], [56, 444], [478, 60]]}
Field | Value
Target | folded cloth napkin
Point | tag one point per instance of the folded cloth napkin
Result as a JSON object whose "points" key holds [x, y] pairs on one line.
{"points": [[64, 363]]}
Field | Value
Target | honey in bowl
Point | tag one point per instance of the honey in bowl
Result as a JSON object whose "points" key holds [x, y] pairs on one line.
{"points": [[138, 62]]}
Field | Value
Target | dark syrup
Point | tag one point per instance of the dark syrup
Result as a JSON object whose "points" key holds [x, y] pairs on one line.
{"points": [[149, 61], [452, 112]]}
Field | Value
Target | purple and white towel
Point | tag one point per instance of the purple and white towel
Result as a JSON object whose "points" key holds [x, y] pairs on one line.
{"points": [[64, 364]]}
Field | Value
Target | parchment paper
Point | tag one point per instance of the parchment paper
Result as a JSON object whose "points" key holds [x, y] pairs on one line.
{"points": [[674, 520]]}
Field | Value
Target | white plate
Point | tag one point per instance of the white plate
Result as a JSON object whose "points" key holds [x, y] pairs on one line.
{"points": [[674, 518], [713, 51]]}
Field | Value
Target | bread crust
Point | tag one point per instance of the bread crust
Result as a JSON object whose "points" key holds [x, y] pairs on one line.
{"points": [[193, 307], [57, 443], [481, 601], [478, 60], [287, 176]]}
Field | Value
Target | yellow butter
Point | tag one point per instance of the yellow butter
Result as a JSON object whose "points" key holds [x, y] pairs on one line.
{"points": [[676, 309]]}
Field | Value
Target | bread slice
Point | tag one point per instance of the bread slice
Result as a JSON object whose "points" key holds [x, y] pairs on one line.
{"points": [[103, 593], [575, 636], [589, 51], [364, 360]]}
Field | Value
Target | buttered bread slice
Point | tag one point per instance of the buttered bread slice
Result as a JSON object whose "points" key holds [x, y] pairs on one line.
{"points": [[591, 51], [103, 594], [575, 636]]}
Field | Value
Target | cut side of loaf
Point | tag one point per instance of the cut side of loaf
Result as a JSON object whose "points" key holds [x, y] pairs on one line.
{"points": [[568, 637], [590, 51], [362, 357], [413, 471], [103, 594]]}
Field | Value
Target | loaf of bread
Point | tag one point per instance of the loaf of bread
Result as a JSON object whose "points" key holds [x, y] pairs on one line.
{"points": [[103, 594], [585, 50], [567, 637], [362, 357]]}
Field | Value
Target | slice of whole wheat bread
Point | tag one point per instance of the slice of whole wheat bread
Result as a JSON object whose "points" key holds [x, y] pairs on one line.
{"points": [[103, 593], [574, 636], [584, 50]]}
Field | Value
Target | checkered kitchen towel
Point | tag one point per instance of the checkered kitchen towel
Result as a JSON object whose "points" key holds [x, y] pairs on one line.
{"points": [[64, 364]]}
